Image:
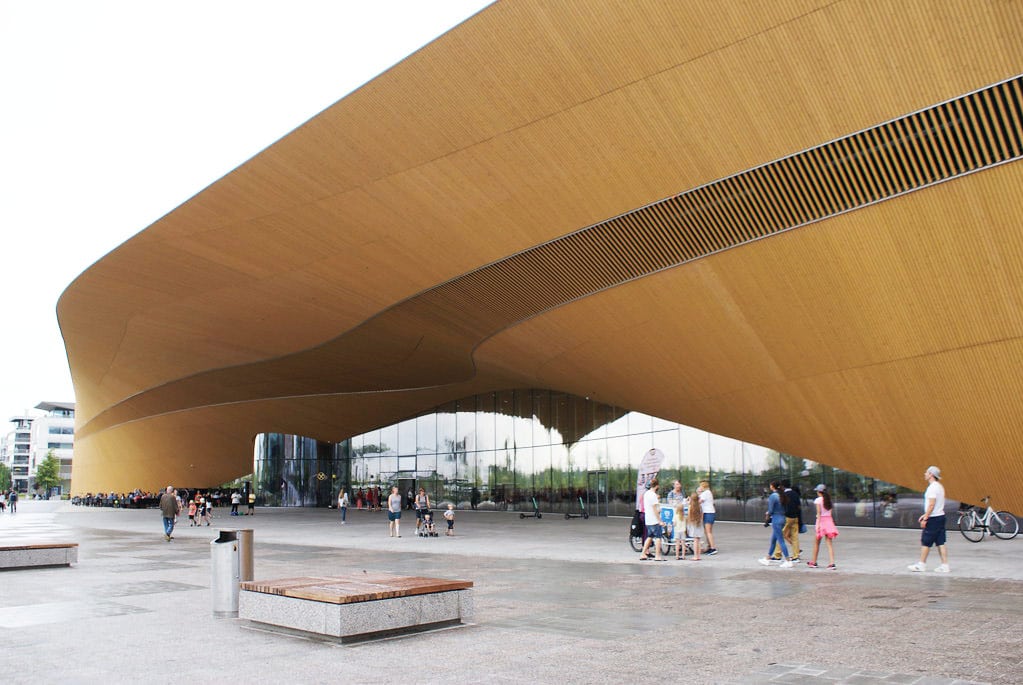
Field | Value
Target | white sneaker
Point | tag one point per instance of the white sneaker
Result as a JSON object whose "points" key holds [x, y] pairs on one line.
{"points": [[917, 567], [942, 569], [764, 561], [786, 564]]}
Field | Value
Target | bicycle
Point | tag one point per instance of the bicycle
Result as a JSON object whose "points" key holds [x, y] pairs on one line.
{"points": [[973, 525]]}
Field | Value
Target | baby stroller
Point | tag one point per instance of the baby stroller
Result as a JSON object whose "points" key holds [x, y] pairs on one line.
{"points": [[427, 529]]}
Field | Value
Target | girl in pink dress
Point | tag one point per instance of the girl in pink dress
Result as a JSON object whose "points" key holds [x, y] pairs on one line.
{"points": [[825, 527]]}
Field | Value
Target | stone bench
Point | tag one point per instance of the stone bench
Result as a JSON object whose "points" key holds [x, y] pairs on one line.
{"points": [[356, 607], [45, 554]]}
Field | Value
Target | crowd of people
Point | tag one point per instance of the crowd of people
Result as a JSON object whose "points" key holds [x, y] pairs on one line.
{"points": [[395, 503], [688, 520], [199, 507], [143, 499]]}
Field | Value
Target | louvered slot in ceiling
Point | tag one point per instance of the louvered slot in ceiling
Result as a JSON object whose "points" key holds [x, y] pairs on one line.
{"points": [[951, 139]]}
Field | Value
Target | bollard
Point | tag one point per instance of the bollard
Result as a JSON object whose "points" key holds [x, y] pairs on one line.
{"points": [[245, 565], [224, 574]]}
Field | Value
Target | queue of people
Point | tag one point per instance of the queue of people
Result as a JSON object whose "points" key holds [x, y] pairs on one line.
{"points": [[143, 499]]}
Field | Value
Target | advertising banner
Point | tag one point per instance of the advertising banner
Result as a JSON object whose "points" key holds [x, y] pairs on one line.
{"points": [[648, 469]]}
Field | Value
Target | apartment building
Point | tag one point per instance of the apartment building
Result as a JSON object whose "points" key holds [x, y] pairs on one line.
{"points": [[32, 437]]}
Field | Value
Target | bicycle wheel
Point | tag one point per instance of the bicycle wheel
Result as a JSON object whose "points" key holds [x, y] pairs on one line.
{"points": [[1004, 525], [969, 528], [637, 543]]}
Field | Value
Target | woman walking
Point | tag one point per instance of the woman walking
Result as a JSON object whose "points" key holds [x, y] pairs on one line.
{"points": [[776, 519], [825, 527], [422, 505], [342, 504]]}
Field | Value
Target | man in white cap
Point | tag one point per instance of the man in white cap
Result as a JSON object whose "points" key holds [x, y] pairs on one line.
{"points": [[932, 522]]}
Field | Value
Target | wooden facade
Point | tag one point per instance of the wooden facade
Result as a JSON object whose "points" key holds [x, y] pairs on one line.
{"points": [[793, 223]]}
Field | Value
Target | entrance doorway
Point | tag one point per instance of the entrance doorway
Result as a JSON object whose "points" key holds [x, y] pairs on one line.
{"points": [[596, 493], [404, 485]]}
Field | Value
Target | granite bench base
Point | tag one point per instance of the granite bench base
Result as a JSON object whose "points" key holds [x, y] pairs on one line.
{"points": [[357, 608], [33, 556]]}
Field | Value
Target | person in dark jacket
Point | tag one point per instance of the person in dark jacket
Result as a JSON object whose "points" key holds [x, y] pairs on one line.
{"points": [[793, 520], [169, 509]]}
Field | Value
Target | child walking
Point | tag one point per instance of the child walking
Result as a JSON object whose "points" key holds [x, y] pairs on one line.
{"points": [[191, 513], [449, 516], [694, 526], [825, 527]]}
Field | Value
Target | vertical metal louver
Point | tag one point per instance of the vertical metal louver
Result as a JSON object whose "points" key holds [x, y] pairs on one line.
{"points": [[973, 132]]}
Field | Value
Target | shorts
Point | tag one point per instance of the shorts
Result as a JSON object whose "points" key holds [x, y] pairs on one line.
{"points": [[708, 518], [451, 524], [419, 513], [934, 532], [655, 531], [393, 515]]}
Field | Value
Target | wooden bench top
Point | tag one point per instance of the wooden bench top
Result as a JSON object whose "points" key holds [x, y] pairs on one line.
{"points": [[363, 587], [46, 545]]}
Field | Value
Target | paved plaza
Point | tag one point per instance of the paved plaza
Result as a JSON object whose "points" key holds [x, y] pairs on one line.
{"points": [[557, 601]]}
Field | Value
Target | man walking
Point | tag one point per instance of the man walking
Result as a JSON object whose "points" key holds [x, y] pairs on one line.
{"points": [[932, 522], [169, 509], [652, 518]]}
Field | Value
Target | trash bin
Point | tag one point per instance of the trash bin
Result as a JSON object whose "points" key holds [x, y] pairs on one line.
{"points": [[245, 566], [224, 574]]}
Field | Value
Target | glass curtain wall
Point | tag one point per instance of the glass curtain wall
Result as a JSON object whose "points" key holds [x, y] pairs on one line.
{"points": [[516, 449]]}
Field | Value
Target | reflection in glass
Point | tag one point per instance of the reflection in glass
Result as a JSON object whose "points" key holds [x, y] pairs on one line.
{"points": [[485, 429], [499, 451], [426, 434], [406, 443]]}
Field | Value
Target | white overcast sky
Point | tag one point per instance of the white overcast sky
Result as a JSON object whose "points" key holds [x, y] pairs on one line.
{"points": [[114, 113]]}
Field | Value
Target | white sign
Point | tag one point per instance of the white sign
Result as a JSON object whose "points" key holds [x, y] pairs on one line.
{"points": [[649, 467]]}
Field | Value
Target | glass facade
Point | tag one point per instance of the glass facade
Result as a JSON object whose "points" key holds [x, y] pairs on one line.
{"points": [[506, 450]]}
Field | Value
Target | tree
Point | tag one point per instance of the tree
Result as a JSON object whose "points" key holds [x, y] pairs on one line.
{"points": [[48, 472], [5, 477]]}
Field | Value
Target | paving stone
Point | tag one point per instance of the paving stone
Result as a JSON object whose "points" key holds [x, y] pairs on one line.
{"points": [[554, 602]]}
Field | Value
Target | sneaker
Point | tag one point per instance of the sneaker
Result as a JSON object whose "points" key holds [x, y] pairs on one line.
{"points": [[811, 564], [786, 564], [795, 560], [942, 569], [917, 567], [764, 561], [711, 551], [832, 567]]}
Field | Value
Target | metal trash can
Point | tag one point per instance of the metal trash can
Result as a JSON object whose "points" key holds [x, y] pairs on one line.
{"points": [[224, 574], [245, 565]]}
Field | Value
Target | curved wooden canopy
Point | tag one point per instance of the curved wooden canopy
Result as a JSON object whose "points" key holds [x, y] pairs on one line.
{"points": [[794, 223]]}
